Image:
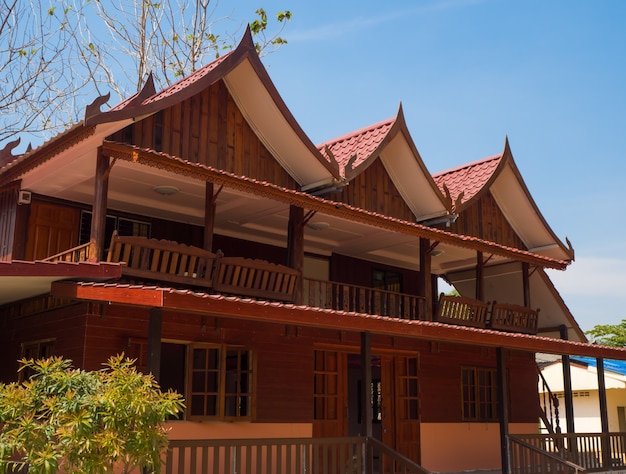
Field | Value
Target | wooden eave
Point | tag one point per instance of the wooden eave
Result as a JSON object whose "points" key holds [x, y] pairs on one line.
{"points": [[508, 161], [402, 181], [288, 314], [34, 158], [288, 196]]}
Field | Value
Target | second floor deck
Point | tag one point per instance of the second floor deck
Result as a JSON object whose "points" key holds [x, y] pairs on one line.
{"points": [[165, 262]]}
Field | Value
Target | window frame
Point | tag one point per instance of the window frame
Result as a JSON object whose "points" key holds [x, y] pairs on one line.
{"points": [[38, 346], [221, 392], [483, 406]]}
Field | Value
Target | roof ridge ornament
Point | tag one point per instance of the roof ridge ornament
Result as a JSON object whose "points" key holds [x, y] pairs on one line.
{"points": [[6, 154], [93, 109]]}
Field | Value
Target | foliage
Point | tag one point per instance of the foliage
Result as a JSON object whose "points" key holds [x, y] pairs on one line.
{"points": [[609, 334], [57, 56], [79, 421]]}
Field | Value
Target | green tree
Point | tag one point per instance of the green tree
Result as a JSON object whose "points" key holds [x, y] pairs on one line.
{"points": [[81, 421], [609, 334]]}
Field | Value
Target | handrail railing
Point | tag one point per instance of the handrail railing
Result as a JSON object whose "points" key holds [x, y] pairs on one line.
{"points": [[360, 299], [594, 451], [74, 255], [527, 458], [548, 405], [462, 311], [286, 456]]}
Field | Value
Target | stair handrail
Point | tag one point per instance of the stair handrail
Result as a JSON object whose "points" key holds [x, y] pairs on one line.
{"points": [[567, 466], [552, 404]]}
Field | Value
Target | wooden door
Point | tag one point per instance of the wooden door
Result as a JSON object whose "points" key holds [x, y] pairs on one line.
{"points": [[51, 229], [400, 405], [330, 394]]}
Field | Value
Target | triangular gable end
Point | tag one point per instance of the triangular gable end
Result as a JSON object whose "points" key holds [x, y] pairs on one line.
{"points": [[391, 143]]}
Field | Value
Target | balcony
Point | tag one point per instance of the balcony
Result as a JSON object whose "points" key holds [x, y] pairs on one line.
{"points": [[151, 260]]}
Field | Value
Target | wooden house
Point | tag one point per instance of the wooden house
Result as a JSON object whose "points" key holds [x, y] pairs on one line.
{"points": [[287, 290]]}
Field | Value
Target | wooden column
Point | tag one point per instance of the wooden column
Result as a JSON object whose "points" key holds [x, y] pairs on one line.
{"points": [[567, 385], [480, 277], [209, 216], [295, 246], [425, 279], [526, 283], [155, 328], [503, 409], [366, 383], [99, 210], [604, 415]]}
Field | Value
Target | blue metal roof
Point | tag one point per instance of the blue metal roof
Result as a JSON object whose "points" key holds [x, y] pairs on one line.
{"points": [[617, 366]]}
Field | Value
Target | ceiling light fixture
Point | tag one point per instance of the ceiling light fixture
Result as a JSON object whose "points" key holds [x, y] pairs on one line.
{"points": [[318, 225], [165, 190]]}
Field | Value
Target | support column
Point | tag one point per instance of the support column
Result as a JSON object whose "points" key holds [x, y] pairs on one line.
{"points": [[295, 246], [503, 409], [99, 210], [154, 342], [209, 216], [604, 415], [366, 382], [567, 385], [425, 279], [526, 284], [480, 277]]}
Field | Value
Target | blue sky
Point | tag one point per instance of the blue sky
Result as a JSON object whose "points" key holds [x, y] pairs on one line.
{"points": [[549, 74]]}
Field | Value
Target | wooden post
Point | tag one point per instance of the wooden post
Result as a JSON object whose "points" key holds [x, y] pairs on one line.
{"points": [[425, 279], [366, 383], [604, 416], [295, 247], [526, 283], [155, 328], [209, 216], [567, 385], [480, 277], [503, 409], [99, 210]]}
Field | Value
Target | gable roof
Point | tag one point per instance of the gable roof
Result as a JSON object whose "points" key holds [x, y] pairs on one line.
{"points": [[391, 142], [500, 176], [252, 90]]}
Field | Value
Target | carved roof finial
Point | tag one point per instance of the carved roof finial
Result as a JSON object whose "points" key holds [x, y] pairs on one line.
{"points": [[6, 154]]}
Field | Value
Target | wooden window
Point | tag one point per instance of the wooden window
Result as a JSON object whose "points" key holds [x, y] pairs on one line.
{"points": [[123, 225], [480, 397], [35, 350], [407, 388], [326, 386], [387, 280], [219, 382]]}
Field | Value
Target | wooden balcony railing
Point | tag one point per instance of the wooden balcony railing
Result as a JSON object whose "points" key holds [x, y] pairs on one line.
{"points": [[463, 311], [76, 254], [286, 456], [344, 297], [503, 317], [506, 317], [595, 452]]}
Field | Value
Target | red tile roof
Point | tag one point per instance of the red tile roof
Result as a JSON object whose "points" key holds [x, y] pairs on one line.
{"points": [[359, 145], [468, 179], [276, 312]]}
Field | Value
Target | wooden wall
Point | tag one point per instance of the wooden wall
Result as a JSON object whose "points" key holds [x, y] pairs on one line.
{"points": [[485, 220], [8, 212], [374, 191], [283, 356], [209, 129]]}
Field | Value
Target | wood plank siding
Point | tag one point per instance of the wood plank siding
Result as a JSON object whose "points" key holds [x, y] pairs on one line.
{"points": [[208, 129], [485, 220], [374, 191], [283, 356], [8, 214]]}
